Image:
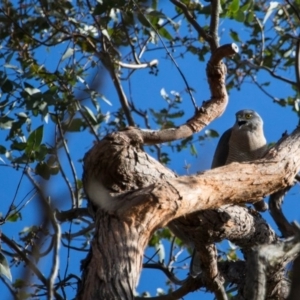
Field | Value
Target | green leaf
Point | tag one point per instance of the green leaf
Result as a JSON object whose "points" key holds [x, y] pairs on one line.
{"points": [[6, 122], [6, 85], [43, 170], [234, 35], [14, 217], [164, 33], [34, 140], [20, 146], [19, 283], [247, 5], [144, 21], [249, 17], [234, 5], [4, 267], [239, 16], [74, 125], [2, 149], [193, 150]]}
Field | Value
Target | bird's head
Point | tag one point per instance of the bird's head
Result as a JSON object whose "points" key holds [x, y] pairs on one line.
{"points": [[248, 120]]}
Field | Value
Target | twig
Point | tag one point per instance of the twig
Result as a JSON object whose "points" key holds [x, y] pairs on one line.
{"points": [[271, 72], [27, 261], [167, 272], [262, 40], [56, 238], [275, 99], [107, 62], [297, 62], [189, 90], [79, 233], [75, 178], [189, 286], [55, 263], [214, 24], [195, 24]]}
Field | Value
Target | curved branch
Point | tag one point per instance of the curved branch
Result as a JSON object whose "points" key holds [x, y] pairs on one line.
{"points": [[216, 72], [275, 202]]}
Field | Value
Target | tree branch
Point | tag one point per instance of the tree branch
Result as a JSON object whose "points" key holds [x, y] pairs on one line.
{"points": [[195, 24], [214, 23], [275, 202]]}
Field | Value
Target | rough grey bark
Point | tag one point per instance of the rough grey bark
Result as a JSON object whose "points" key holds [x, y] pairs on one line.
{"points": [[136, 195]]}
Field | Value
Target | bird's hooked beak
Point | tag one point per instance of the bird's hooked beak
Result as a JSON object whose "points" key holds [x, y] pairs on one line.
{"points": [[241, 123]]}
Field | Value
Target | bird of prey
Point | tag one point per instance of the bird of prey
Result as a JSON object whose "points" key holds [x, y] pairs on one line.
{"points": [[245, 141]]}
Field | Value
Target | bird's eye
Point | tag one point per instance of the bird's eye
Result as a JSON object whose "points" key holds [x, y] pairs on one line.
{"points": [[248, 116]]}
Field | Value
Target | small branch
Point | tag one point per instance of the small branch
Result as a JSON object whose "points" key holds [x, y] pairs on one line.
{"points": [[262, 49], [209, 264], [55, 262], [152, 63], [214, 23], [67, 215], [275, 202], [78, 233], [107, 62], [166, 271], [189, 90], [75, 178], [297, 64], [27, 261], [190, 285], [56, 239], [275, 99], [202, 33], [271, 72]]}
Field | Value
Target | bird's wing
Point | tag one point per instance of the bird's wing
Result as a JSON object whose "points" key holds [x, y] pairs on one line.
{"points": [[222, 150]]}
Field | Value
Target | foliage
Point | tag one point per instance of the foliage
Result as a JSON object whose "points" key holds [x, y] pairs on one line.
{"points": [[57, 58]]}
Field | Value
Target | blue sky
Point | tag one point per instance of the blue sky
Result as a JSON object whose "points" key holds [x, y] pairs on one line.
{"points": [[146, 93]]}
